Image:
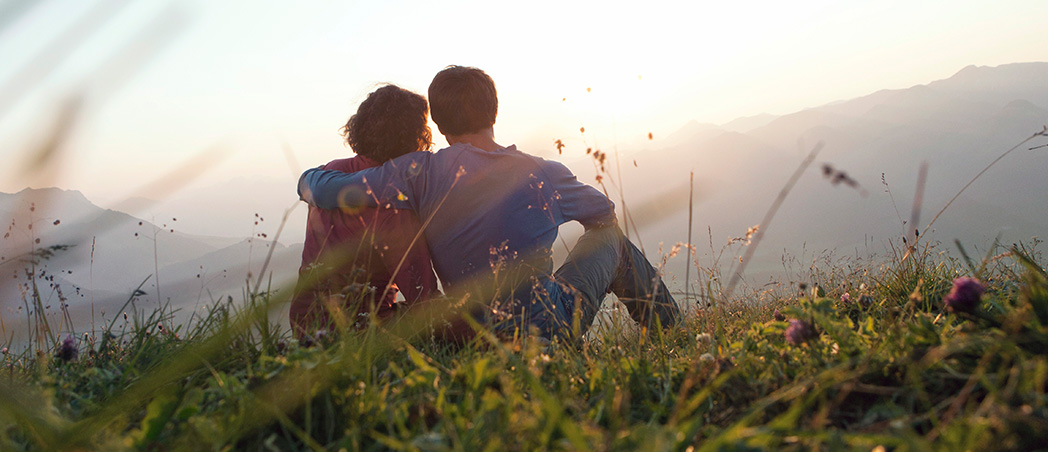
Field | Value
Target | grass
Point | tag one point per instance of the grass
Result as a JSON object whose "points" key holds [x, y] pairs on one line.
{"points": [[894, 370]]}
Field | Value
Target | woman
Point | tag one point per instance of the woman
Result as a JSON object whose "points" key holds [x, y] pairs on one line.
{"points": [[353, 262]]}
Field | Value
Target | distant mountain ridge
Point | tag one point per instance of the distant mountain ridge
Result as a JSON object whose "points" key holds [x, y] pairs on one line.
{"points": [[109, 253], [957, 125]]}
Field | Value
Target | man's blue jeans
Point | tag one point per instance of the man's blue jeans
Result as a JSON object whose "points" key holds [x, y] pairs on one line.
{"points": [[602, 261]]}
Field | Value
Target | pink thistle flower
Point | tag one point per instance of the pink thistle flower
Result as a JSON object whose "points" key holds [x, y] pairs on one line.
{"points": [[965, 295], [68, 351], [799, 332]]}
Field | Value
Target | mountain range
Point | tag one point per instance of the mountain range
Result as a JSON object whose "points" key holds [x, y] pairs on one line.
{"points": [[956, 126]]}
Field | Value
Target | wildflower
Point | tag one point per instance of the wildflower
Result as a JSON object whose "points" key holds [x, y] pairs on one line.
{"points": [[778, 316], [799, 332], [965, 295], [67, 351], [750, 232], [706, 360], [846, 298], [307, 341]]}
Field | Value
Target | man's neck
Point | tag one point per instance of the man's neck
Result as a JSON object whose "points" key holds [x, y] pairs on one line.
{"points": [[485, 140]]}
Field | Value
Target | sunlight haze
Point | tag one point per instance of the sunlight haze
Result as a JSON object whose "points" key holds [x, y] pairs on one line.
{"points": [[242, 81]]}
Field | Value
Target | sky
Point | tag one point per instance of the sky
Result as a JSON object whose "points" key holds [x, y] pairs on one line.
{"points": [[191, 96]]}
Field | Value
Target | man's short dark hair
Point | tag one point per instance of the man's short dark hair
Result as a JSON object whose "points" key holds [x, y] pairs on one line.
{"points": [[391, 122], [463, 100]]}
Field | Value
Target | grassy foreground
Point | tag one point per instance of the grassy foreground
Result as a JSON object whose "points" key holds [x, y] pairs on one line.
{"points": [[887, 366]]}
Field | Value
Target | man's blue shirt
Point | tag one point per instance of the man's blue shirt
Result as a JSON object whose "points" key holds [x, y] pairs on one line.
{"points": [[490, 218]]}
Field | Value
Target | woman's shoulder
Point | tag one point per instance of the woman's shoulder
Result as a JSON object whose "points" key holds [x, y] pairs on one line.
{"points": [[350, 164]]}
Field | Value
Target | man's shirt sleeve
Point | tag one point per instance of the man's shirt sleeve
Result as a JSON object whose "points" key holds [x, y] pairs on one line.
{"points": [[391, 184], [578, 201]]}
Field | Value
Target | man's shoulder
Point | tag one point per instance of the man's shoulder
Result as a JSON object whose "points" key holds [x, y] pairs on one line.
{"points": [[507, 156], [539, 160], [551, 166]]}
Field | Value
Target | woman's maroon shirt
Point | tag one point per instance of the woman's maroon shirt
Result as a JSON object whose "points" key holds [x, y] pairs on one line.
{"points": [[375, 240]]}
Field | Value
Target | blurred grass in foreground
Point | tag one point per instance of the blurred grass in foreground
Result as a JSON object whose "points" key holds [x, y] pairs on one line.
{"points": [[885, 365]]}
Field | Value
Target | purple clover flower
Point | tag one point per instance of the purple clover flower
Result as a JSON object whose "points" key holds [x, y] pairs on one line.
{"points": [[965, 295], [68, 351], [799, 332], [846, 298], [778, 316]]}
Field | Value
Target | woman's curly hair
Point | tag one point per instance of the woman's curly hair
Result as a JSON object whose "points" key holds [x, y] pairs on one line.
{"points": [[391, 122]]}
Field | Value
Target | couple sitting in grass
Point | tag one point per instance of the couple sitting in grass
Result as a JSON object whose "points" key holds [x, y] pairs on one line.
{"points": [[482, 215]]}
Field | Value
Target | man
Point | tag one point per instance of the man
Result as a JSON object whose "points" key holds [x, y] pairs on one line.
{"points": [[490, 215]]}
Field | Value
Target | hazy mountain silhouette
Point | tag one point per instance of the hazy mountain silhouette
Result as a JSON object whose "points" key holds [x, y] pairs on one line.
{"points": [[108, 254], [957, 125]]}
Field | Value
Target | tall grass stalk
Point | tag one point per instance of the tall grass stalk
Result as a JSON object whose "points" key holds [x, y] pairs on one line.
{"points": [[1042, 133], [768, 216]]}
